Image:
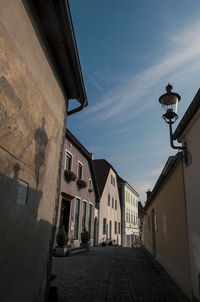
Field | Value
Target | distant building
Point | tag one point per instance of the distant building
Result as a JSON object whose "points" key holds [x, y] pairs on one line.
{"points": [[129, 213], [165, 224], [39, 73], [188, 131], [109, 207], [79, 197]]}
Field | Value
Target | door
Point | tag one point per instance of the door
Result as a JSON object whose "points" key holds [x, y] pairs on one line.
{"points": [[65, 214]]}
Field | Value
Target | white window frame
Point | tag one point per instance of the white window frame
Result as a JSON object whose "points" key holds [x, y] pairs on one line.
{"points": [[84, 201], [79, 162], [80, 211], [67, 151]]}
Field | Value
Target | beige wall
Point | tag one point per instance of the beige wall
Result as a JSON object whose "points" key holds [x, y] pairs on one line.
{"points": [[170, 229], [108, 212], [131, 206], [32, 119], [192, 186]]}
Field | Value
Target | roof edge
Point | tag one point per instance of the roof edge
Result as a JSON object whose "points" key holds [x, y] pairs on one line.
{"points": [[189, 114], [170, 164]]}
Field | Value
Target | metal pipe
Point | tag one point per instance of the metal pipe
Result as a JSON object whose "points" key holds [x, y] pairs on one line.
{"points": [[77, 109], [172, 140]]}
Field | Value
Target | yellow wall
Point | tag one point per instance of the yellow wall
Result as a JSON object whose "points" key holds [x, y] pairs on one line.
{"points": [[171, 232], [32, 122]]}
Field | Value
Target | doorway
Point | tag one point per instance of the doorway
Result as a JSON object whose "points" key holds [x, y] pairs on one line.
{"points": [[65, 214]]}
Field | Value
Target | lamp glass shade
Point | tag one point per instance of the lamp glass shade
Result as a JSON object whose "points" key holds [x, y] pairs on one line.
{"points": [[169, 102]]}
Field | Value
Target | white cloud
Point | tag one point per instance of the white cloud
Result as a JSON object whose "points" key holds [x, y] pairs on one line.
{"points": [[179, 61]]}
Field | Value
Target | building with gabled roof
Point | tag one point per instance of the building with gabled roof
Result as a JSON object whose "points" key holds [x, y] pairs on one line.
{"points": [[109, 206]]}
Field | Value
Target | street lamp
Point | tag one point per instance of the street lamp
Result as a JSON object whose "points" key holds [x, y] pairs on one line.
{"points": [[169, 102]]}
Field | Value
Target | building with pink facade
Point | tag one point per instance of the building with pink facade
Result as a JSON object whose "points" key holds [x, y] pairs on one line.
{"points": [[79, 197]]}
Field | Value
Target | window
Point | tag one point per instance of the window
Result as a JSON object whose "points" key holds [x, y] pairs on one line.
{"points": [[76, 222], [115, 204], [126, 215], [112, 180], [84, 215], [80, 170], [68, 161], [90, 219], [104, 226], [129, 216], [110, 229], [115, 227], [119, 228], [108, 199], [22, 193], [90, 185]]}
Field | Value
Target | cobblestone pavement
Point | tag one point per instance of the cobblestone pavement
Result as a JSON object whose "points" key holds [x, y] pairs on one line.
{"points": [[113, 274]]}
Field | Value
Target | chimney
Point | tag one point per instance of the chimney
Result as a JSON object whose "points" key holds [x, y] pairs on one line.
{"points": [[148, 193]]}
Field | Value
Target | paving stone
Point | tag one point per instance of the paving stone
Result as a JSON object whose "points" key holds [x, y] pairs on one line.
{"points": [[113, 274]]}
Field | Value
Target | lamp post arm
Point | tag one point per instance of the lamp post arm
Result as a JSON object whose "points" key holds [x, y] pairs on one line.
{"points": [[172, 140]]}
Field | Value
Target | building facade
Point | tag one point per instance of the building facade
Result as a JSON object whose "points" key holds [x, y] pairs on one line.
{"points": [[79, 198], [36, 82], [188, 132], [109, 207], [129, 211], [165, 224]]}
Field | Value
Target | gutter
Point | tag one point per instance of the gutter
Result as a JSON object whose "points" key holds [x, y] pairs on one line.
{"points": [[64, 5], [83, 105]]}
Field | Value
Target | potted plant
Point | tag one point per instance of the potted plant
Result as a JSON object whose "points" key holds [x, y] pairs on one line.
{"points": [[82, 183], [70, 175], [85, 238], [61, 239]]}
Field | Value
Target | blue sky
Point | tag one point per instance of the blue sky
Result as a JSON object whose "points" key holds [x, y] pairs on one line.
{"points": [[129, 51]]}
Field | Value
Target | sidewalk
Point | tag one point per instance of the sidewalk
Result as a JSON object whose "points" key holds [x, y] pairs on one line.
{"points": [[113, 274]]}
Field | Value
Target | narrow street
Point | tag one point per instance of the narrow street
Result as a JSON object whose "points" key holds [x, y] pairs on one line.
{"points": [[113, 274]]}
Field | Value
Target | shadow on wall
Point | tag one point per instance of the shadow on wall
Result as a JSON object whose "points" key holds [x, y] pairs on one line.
{"points": [[24, 253], [41, 140]]}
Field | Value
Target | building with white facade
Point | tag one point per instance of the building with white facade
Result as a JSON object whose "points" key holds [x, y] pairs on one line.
{"points": [[129, 213], [109, 206]]}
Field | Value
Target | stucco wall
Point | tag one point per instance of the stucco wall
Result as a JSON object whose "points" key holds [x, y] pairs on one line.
{"points": [[32, 118], [192, 177], [170, 229], [71, 188], [108, 212], [130, 206]]}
